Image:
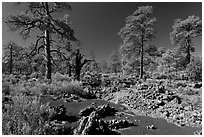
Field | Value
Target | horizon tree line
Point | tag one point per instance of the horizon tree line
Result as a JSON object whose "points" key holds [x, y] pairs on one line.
{"points": [[55, 42]]}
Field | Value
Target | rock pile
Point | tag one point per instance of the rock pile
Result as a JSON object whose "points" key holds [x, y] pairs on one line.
{"points": [[59, 113], [57, 128], [159, 100], [92, 125]]}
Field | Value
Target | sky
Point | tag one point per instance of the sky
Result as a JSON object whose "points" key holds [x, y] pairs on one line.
{"points": [[96, 24]]}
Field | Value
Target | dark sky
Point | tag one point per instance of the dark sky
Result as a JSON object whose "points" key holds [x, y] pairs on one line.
{"points": [[97, 24]]}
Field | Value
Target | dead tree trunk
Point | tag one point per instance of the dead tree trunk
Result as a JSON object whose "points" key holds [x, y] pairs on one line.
{"points": [[79, 64]]}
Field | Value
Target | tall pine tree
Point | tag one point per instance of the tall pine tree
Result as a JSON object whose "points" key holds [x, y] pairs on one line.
{"points": [[136, 33]]}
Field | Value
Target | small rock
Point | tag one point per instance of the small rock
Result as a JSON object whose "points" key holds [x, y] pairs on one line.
{"points": [[151, 127], [197, 85], [166, 114], [181, 115], [187, 108]]}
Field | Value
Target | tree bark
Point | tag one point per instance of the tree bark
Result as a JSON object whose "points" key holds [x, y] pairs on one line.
{"points": [[11, 59], [69, 69], [77, 65], [141, 60], [47, 48], [48, 56], [188, 56]]}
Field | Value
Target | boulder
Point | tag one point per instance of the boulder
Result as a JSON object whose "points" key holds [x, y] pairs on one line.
{"points": [[92, 125]]}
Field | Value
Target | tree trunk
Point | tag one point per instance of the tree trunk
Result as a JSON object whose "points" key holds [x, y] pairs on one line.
{"points": [[11, 59], [77, 65], [48, 56], [69, 70], [47, 48], [188, 56], [141, 61]]}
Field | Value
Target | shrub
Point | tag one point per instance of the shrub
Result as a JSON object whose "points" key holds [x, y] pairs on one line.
{"points": [[155, 75], [59, 77], [190, 91], [73, 87], [109, 81], [92, 79], [28, 88], [26, 116], [59, 88], [36, 75], [180, 84], [6, 90], [194, 69]]}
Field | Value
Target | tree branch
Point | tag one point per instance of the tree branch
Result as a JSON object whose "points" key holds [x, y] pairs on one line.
{"points": [[36, 44], [85, 61]]}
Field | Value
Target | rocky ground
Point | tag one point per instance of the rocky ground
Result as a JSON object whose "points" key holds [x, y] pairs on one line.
{"points": [[160, 101], [94, 117]]}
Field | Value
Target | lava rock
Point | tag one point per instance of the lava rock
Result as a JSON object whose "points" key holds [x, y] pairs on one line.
{"points": [[198, 85], [87, 111], [106, 110], [198, 132], [59, 114], [92, 125], [116, 124], [144, 87], [160, 103], [102, 111], [151, 127], [166, 114], [57, 128]]}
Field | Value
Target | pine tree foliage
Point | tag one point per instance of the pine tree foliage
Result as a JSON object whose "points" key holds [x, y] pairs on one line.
{"points": [[41, 17], [136, 33], [183, 33], [115, 64], [12, 55]]}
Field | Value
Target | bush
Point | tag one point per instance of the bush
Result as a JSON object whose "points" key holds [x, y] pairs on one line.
{"points": [[190, 91], [59, 77], [109, 80], [73, 87], [25, 116], [6, 90], [92, 79], [28, 88], [157, 75], [194, 69], [59, 88], [180, 84], [36, 75]]}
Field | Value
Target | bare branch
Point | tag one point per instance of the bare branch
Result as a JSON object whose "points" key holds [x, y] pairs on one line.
{"points": [[36, 44], [85, 61]]}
